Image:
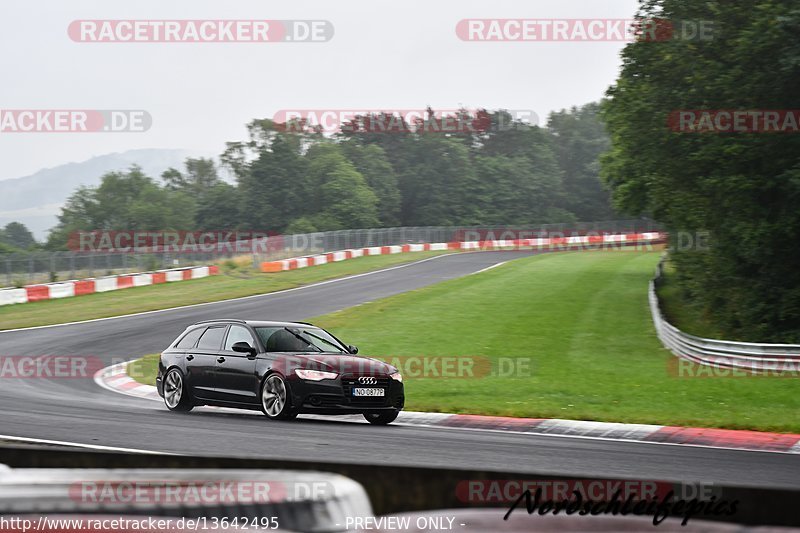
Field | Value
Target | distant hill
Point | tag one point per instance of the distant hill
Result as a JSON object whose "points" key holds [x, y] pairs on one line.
{"points": [[35, 200]]}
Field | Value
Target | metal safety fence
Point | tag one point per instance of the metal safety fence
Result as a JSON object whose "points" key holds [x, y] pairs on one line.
{"points": [[18, 269], [748, 356]]}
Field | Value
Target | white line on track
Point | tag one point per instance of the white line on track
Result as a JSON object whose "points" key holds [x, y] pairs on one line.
{"points": [[490, 267], [80, 445]]}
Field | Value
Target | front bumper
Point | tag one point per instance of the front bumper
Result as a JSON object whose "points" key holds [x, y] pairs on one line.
{"points": [[334, 396]]}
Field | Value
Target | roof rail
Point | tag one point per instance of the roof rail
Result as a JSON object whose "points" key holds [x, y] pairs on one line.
{"points": [[240, 321]]}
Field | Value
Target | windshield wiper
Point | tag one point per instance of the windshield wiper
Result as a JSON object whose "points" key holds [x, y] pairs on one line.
{"points": [[305, 340], [326, 341]]}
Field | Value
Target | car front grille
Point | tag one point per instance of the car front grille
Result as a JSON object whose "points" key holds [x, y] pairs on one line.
{"points": [[349, 382]]}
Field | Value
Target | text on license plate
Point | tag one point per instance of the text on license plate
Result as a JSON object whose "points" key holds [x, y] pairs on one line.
{"points": [[368, 392]]}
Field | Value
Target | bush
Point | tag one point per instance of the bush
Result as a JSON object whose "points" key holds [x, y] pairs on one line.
{"points": [[299, 226]]}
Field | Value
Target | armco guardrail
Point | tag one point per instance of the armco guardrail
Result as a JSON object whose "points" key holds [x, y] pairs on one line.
{"points": [[750, 356]]}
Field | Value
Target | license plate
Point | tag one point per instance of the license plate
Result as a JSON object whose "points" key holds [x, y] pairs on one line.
{"points": [[368, 392]]}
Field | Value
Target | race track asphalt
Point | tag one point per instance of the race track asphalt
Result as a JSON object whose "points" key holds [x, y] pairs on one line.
{"points": [[77, 410]]}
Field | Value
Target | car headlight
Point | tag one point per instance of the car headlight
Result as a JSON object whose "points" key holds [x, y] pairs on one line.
{"points": [[397, 376], [315, 375]]}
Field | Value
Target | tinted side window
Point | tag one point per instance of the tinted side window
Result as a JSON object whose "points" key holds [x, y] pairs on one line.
{"points": [[238, 334], [189, 339], [265, 333], [212, 338]]}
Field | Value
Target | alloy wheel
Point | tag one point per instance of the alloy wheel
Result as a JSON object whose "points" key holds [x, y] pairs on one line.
{"points": [[273, 397], [173, 389]]}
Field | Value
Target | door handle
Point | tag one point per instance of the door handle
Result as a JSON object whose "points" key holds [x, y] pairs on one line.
{"points": [[221, 360], [189, 357]]}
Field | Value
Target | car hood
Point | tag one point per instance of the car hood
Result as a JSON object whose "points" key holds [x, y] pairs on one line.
{"points": [[341, 364]]}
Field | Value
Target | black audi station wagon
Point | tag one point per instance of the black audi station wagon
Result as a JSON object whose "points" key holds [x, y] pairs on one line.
{"points": [[281, 368]]}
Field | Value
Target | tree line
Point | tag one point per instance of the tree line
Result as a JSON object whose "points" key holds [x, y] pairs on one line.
{"points": [[292, 178], [742, 188]]}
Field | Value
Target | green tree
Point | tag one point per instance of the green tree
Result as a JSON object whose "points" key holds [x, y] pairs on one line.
{"points": [[17, 235], [77, 214], [220, 208], [579, 139], [372, 163], [274, 188], [439, 184], [391, 133], [299, 226], [520, 191], [199, 176], [339, 194], [123, 201], [743, 188]]}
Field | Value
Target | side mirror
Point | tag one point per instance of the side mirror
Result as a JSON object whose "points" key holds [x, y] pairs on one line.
{"points": [[352, 349], [243, 347]]}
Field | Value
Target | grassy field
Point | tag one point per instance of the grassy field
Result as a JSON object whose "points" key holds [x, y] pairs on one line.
{"points": [[232, 283], [583, 321]]}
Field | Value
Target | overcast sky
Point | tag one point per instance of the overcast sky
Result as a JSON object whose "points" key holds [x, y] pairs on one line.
{"points": [[394, 55]]}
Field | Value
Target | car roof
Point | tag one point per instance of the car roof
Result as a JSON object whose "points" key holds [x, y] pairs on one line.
{"points": [[256, 323]]}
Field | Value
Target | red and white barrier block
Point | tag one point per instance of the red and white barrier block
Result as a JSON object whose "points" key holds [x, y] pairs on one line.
{"points": [[68, 289], [562, 243], [554, 243]]}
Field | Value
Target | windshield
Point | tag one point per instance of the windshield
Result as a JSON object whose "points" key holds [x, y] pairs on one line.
{"points": [[298, 339]]}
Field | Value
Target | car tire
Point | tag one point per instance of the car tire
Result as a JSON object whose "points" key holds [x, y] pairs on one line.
{"points": [[276, 398], [381, 419], [176, 393]]}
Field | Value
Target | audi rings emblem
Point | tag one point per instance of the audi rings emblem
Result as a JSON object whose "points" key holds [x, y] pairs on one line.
{"points": [[368, 380]]}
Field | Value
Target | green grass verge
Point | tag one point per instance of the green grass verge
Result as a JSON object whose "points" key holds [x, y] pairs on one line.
{"points": [[584, 321], [231, 284], [144, 370]]}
